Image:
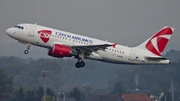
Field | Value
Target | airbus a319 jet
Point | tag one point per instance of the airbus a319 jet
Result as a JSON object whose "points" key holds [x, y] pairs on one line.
{"points": [[64, 44]]}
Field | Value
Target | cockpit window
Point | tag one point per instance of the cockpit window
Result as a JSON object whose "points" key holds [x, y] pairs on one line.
{"points": [[19, 27], [16, 26]]}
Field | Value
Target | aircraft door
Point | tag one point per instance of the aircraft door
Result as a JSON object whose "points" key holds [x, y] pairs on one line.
{"points": [[32, 30], [132, 55]]}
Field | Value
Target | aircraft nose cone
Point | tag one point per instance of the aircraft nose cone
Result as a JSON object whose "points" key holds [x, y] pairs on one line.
{"points": [[9, 31]]}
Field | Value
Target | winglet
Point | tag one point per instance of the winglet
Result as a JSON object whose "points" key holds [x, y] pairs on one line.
{"points": [[114, 45]]}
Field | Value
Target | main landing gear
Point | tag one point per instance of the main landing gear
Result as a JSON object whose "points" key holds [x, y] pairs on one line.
{"points": [[27, 50], [80, 62]]}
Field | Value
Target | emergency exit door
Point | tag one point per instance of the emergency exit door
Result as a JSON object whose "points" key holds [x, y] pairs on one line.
{"points": [[32, 30]]}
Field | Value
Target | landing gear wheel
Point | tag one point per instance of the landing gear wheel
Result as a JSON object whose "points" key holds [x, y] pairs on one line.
{"points": [[26, 52], [80, 64], [77, 65]]}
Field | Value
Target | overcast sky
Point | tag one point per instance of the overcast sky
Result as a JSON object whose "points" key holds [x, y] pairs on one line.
{"points": [[127, 22]]}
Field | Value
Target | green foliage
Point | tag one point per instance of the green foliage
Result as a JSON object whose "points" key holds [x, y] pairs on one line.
{"points": [[6, 85], [21, 94], [118, 88], [48, 98], [30, 73], [155, 78], [87, 91], [174, 55], [35, 94], [62, 75], [76, 94]]}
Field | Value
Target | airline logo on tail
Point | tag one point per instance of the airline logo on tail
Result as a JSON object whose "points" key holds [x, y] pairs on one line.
{"points": [[44, 35], [158, 42]]}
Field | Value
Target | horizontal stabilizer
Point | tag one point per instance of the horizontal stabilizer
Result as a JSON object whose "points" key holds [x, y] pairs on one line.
{"points": [[157, 58]]}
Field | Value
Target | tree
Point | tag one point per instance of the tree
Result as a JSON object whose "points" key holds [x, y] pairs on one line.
{"points": [[20, 94], [48, 98], [50, 92], [118, 88], [76, 94], [30, 96], [39, 93], [6, 85], [87, 91]]}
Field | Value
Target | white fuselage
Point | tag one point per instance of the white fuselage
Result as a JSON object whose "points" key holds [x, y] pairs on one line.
{"points": [[118, 54]]}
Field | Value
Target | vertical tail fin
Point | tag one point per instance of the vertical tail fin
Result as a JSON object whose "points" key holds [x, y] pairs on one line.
{"points": [[157, 43]]}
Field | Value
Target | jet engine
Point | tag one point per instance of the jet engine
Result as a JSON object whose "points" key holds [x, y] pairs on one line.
{"points": [[60, 51]]}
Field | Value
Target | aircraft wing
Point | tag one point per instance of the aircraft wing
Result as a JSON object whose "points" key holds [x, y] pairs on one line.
{"points": [[86, 48], [91, 48]]}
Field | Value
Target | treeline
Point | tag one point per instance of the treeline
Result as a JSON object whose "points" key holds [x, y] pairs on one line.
{"points": [[35, 94], [23, 93], [154, 78], [63, 76]]}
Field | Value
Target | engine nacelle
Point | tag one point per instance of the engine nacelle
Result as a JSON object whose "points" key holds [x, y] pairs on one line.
{"points": [[60, 51]]}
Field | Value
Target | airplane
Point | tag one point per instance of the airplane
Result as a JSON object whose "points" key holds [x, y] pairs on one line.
{"points": [[65, 44]]}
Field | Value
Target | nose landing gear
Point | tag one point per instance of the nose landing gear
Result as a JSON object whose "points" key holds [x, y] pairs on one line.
{"points": [[27, 50]]}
